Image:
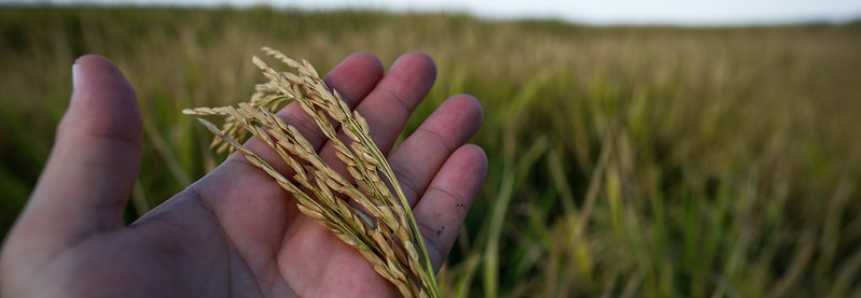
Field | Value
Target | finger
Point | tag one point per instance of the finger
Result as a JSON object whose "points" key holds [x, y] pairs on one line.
{"points": [[390, 104], [386, 107], [354, 78], [442, 209], [420, 157], [393, 100], [96, 157]]}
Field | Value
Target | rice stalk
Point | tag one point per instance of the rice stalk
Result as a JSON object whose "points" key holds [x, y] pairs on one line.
{"points": [[380, 225]]}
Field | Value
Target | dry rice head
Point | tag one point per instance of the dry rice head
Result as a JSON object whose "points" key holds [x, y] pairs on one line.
{"points": [[381, 226]]}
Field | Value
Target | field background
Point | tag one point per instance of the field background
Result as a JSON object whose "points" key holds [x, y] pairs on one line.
{"points": [[624, 162]]}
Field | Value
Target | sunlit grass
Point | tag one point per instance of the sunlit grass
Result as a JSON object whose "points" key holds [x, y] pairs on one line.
{"points": [[626, 162]]}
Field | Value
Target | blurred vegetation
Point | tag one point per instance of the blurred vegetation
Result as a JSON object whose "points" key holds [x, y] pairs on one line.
{"points": [[624, 162]]}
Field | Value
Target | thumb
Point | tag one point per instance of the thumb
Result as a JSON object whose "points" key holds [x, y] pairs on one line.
{"points": [[95, 160]]}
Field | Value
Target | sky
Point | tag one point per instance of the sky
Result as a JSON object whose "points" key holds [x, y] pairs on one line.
{"points": [[607, 12]]}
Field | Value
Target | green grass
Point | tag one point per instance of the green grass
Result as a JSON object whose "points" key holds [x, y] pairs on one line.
{"points": [[624, 162]]}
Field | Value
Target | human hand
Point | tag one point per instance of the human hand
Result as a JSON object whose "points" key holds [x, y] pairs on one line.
{"points": [[235, 232]]}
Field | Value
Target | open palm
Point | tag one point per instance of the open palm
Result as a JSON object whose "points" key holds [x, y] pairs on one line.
{"points": [[234, 232]]}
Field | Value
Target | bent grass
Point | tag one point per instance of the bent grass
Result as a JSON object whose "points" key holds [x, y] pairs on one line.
{"points": [[379, 223]]}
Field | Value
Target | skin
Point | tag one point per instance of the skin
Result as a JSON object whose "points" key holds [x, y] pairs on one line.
{"points": [[234, 232]]}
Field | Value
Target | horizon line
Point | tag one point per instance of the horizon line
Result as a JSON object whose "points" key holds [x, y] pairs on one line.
{"points": [[581, 21]]}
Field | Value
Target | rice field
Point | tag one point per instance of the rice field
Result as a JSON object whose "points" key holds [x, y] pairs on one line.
{"points": [[624, 161]]}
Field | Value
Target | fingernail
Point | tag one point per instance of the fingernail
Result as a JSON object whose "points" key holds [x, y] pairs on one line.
{"points": [[75, 77]]}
